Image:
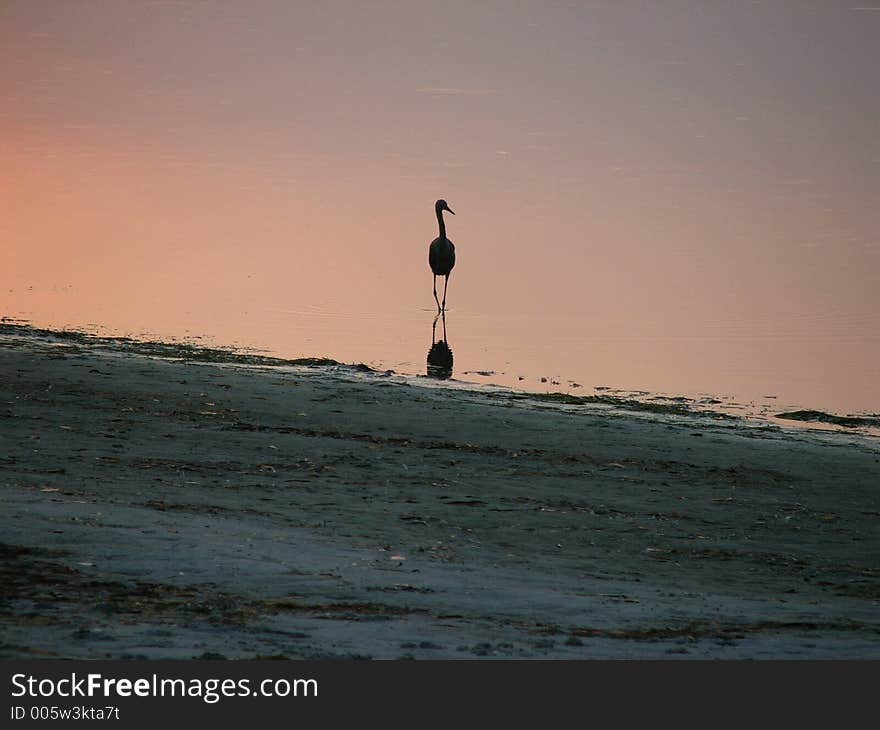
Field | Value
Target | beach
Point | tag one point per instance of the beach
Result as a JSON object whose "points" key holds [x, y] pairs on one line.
{"points": [[181, 502]]}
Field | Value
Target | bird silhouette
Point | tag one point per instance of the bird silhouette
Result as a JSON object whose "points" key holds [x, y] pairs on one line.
{"points": [[441, 254]]}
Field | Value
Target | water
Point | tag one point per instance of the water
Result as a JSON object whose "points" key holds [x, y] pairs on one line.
{"points": [[662, 200]]}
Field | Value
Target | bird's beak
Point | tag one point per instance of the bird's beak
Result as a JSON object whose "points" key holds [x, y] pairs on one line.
{"points": [[450, 210]]}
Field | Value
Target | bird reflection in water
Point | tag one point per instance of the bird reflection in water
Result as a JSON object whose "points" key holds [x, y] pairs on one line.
{"points": [[440, 354]]}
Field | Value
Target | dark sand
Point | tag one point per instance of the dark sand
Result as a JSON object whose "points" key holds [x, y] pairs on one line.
{"points": [[156, 507]]}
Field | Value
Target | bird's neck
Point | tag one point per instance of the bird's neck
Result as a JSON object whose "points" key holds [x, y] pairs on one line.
{"points": [[441, 223]]}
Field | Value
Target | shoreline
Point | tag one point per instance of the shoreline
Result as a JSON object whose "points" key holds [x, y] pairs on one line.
{"points": [[804, 418], [162, 506]]}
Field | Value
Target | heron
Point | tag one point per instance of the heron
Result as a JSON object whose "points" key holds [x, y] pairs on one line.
{"points": [[441, 254]]}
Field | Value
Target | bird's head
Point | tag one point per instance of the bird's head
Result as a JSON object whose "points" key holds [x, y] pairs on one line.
{"points": [[442, 205]]}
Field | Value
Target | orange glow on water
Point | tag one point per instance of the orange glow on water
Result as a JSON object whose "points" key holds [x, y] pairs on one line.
{"points": [[640, 203]]}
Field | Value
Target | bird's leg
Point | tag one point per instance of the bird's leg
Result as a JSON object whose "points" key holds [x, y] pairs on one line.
{"points": [[445, 284], [435, 294]]}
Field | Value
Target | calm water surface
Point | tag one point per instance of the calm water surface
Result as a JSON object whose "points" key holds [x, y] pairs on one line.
{"points": [[674, 198]]}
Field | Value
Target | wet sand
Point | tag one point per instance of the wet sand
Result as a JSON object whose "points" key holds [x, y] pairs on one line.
{"points": [[173, 502]]}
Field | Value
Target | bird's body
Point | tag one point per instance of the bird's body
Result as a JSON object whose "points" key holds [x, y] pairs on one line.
{"points": [[441, 253], [441, 256]]}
